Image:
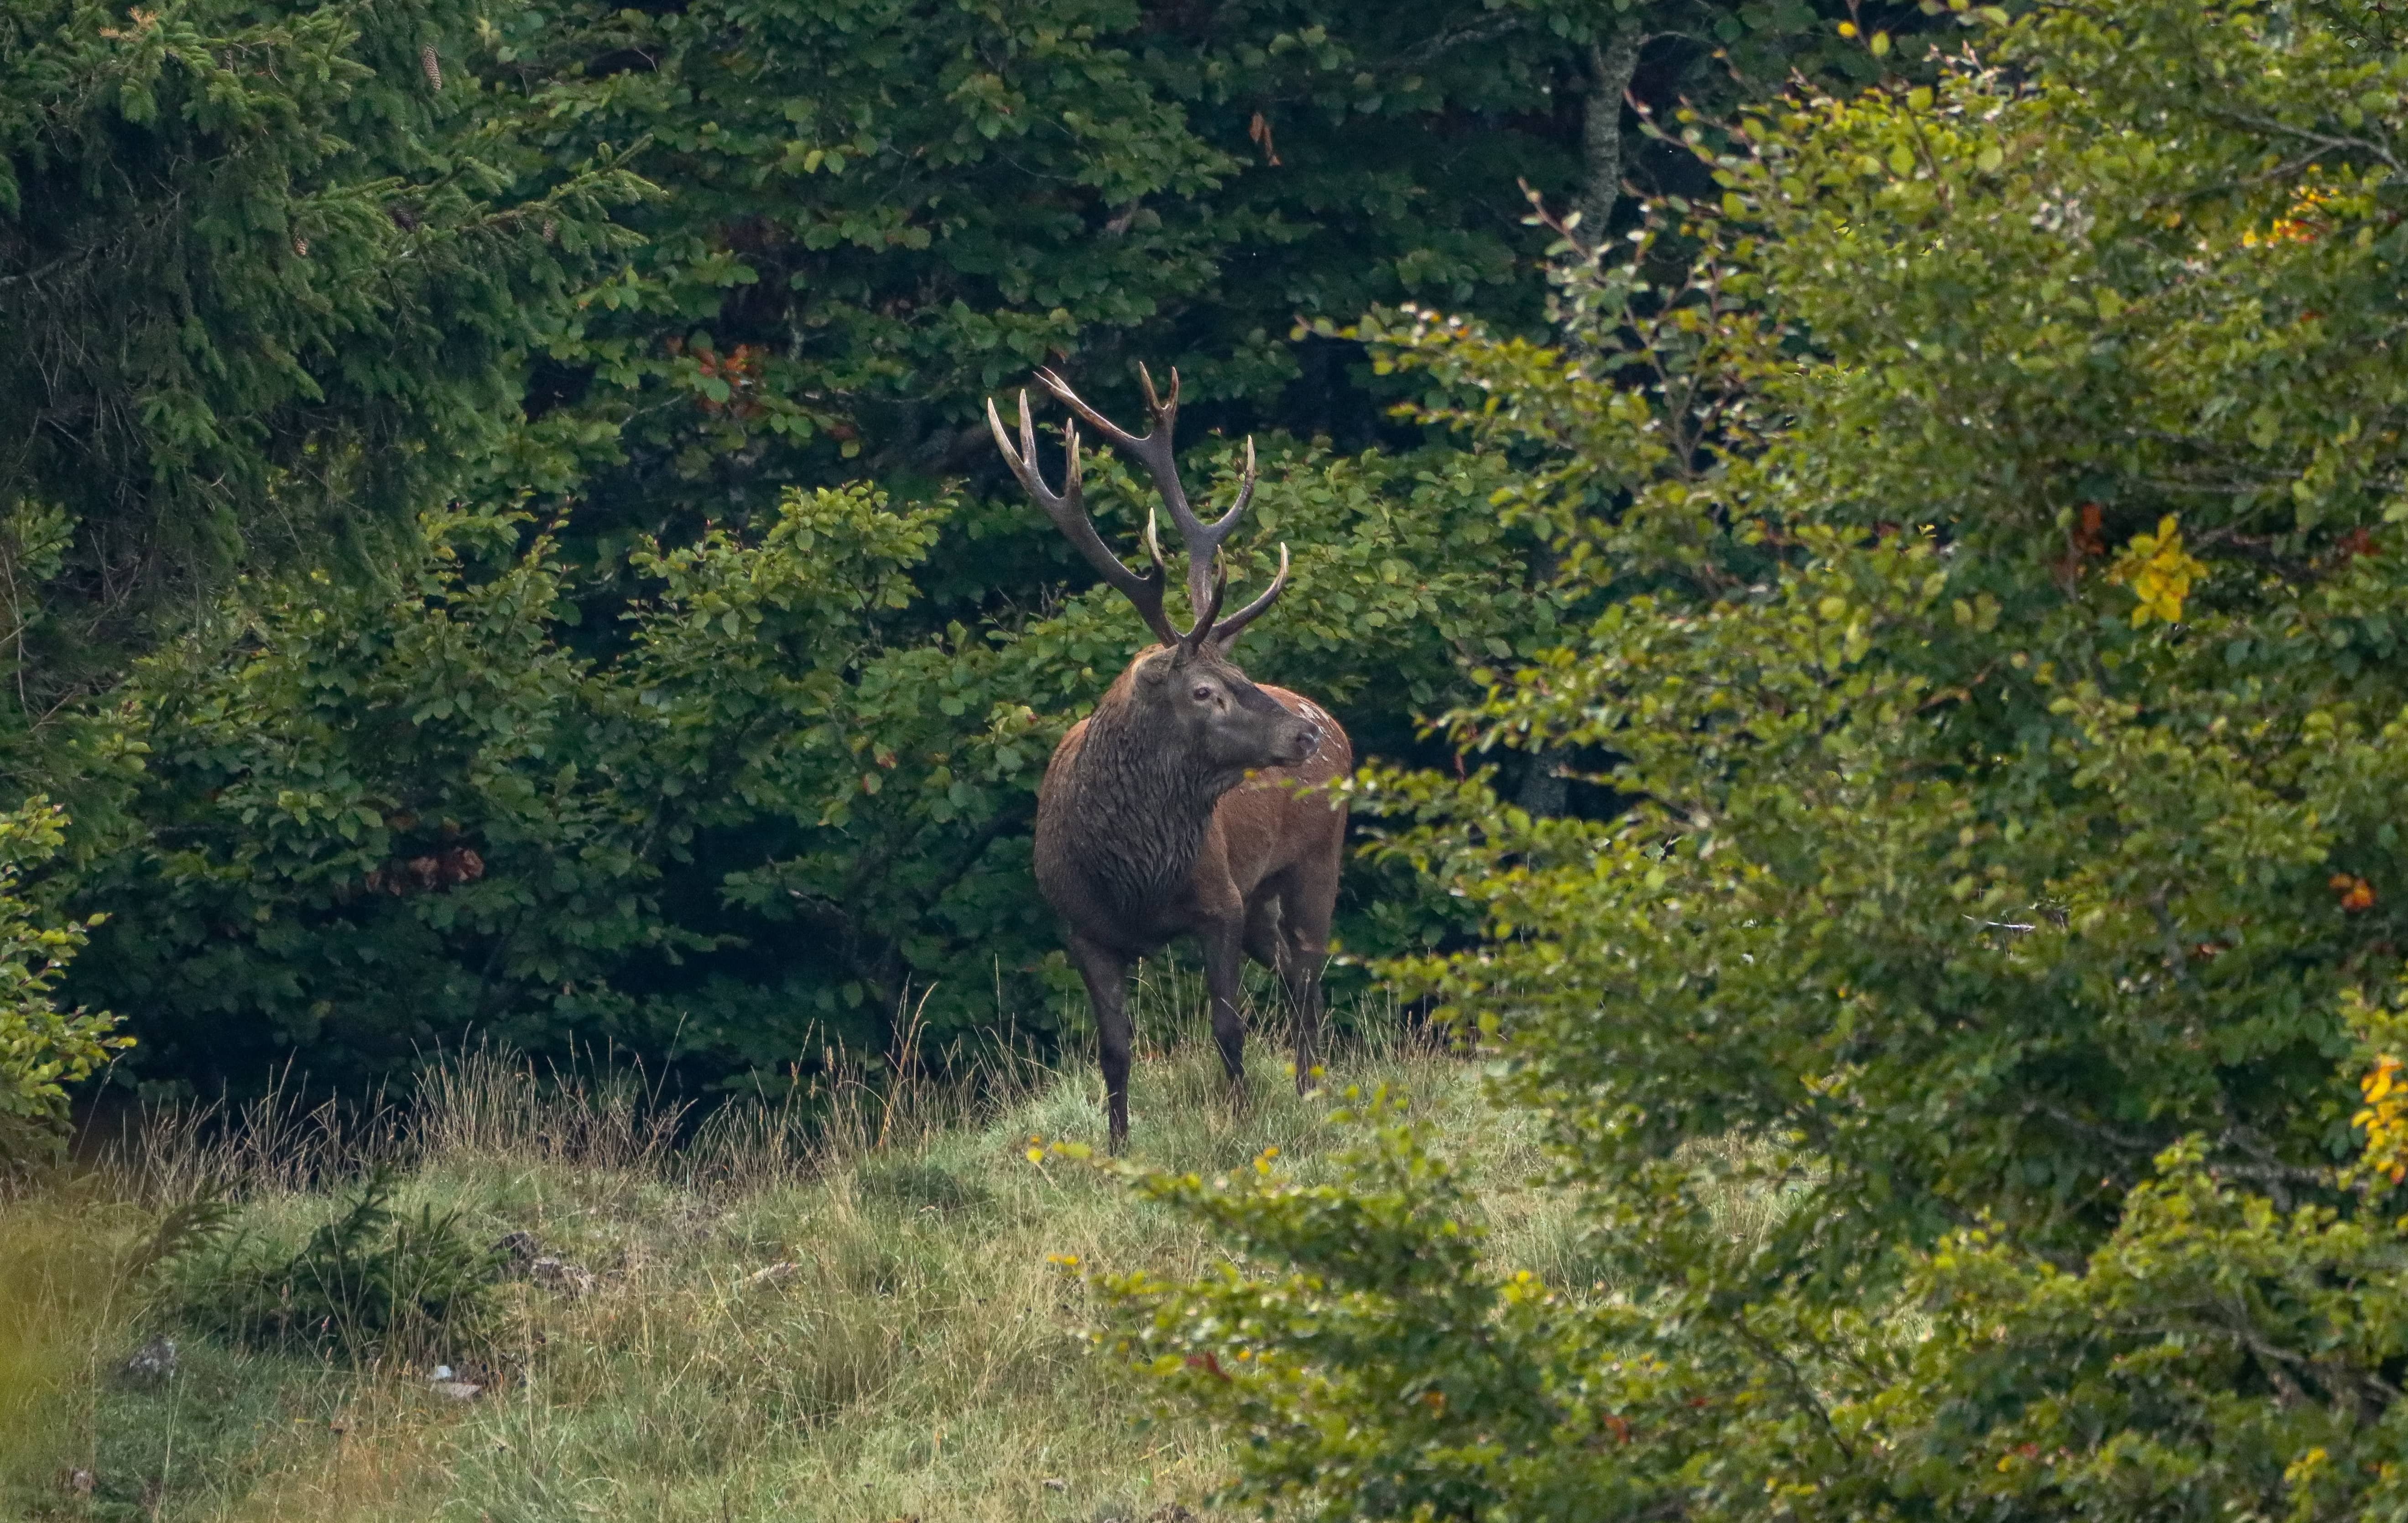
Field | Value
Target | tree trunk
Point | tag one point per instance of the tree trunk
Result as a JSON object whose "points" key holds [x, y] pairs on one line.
{"points": [[1611, 64]]}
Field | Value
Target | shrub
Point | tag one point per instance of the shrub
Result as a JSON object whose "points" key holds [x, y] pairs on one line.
{"points": [[2005, 678], [43, 1049], [370, 1282]]}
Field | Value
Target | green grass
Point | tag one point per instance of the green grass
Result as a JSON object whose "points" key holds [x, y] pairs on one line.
{"points": [[922, 1358]]}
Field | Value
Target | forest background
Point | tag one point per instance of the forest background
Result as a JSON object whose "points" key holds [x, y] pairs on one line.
{"points": [[501, 534]]}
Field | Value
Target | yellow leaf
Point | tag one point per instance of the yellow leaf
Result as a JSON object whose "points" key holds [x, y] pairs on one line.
{"points": [[2159, 573]]}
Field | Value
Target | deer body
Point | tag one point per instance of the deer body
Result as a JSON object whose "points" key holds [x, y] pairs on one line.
{"points": [[1192, 801], [1137, 846]]}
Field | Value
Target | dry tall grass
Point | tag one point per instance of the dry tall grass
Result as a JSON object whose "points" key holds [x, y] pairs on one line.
{"points": [[834, 1307]]}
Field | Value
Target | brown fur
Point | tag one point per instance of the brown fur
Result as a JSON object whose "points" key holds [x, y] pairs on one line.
{"points": [[1156, 821]]}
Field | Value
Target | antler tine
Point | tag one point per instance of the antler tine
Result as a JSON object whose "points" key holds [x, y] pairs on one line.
{"points": [[1207, 611], [1154, 546], [1163, 412], [1210, 536], [1069, 512], [1022, 461], [1104, 426], [1225, 633]]}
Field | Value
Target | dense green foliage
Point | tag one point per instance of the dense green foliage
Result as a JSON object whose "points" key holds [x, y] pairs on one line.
{"points": [[2012, 509], [265, 274], [771, 814], [43, 1049], [883, 211]]}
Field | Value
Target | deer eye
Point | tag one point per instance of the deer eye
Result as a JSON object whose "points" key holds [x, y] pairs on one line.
{"points": [[1202, 692]]}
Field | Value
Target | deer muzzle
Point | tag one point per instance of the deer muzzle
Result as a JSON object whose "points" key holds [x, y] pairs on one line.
{"points": [[1303, 738]]}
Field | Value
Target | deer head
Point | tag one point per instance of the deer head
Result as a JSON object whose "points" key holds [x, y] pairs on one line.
{"points": [[1188, 683]]}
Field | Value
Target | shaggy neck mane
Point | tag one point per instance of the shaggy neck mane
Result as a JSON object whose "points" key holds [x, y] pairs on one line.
{"points": [[1152, 799]]}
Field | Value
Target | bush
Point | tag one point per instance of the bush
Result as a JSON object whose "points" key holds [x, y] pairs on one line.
{"points": [[371, 1281], [2011, 563], [43, 1049]]}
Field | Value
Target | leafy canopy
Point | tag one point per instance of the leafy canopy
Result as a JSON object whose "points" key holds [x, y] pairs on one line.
{"points": [[267, 273], [882, 212]]}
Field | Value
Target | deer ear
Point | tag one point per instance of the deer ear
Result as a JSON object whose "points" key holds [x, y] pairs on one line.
{"points": [[1155, 670]]}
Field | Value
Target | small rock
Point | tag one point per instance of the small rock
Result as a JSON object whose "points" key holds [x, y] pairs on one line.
{"points": [[457, 1390], [518, 1252], [151, 1364], [559, 1274], [771, 1274], [81, 1482], [441, 1372], [1054, 1483]]}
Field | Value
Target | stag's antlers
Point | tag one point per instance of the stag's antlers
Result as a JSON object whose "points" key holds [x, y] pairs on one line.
{"points": [[1067, 508], [1206, 579]]}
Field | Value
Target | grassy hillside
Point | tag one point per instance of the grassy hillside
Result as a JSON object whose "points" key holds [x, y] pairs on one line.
{"points": [[919, 1356]]}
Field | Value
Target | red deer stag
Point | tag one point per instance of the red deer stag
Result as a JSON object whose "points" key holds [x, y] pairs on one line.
{"points": [[1175, 808]]}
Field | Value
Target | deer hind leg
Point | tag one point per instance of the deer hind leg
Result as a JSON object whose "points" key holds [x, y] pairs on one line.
{"points": [[1266, 941], [1106, 972], [1270, 940], [1304, 950]]}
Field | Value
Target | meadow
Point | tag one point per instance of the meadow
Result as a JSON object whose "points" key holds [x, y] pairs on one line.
{"points": [[857, 1317]]}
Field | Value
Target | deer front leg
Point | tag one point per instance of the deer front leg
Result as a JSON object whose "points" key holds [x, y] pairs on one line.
{"points": [[1106, 974], [1224, 961], [1293, 953]]}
